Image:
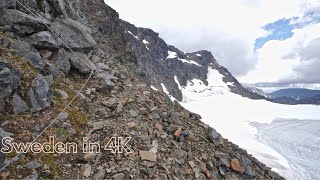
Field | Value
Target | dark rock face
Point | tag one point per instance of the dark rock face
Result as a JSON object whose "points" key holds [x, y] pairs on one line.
{"points": [[160, 63]]}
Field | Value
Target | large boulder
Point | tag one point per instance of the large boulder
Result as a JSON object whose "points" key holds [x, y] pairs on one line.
{"points": [[43, 40], [76, 35], [12, 17], [61, 59], [81, 62], [27, 51]]}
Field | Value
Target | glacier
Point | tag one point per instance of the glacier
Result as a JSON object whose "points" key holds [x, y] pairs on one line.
{"points": [[254, 125]]}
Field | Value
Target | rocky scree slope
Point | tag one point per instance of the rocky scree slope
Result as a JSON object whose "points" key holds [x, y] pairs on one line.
{"points": [[159, 63], [39, 76]]}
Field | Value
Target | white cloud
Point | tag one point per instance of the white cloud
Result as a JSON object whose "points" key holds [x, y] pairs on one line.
{"points": [[295, 60]]}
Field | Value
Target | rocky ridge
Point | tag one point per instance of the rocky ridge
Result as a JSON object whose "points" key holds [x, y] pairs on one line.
{"points": [[159, 63], [39, 75]]}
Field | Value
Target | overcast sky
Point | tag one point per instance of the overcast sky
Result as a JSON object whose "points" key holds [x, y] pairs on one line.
{"points": [[270, 42]]}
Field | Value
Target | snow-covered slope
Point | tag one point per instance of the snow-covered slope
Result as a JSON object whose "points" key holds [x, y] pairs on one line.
{"points": [[231, 115]]}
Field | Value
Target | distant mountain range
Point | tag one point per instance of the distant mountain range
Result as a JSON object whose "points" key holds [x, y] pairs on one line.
{"points": [[290, 96], [294, 93]]}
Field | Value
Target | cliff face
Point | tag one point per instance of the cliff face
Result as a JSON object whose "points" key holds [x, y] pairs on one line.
{"points": [[159, 63], [40, 75]]}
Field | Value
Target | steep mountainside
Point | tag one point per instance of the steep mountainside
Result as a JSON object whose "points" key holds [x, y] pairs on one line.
{"points": [[160, 63], [41, 80]]}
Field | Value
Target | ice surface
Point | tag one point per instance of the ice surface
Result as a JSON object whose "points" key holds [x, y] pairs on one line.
{"points": [[231, 115]]}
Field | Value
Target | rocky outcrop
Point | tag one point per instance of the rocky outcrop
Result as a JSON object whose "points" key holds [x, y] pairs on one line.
{"points": [[75, 35], [21, 23], [160, 63]]}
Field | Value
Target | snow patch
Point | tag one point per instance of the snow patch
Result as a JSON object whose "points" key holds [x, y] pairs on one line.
{"points": [[167, 92], [152, 87], [172, 55], [189, 62], [230, 84], [199, 55], [145, 42], [177, 81], [133, 35]]}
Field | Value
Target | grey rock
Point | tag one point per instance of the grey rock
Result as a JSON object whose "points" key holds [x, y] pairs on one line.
{"points": [[35, 107], [171, 128], [5, 82], [49, 79], [25, 50], [3, 133], [147, 155], [106, 77], [178, 153], [86, 172], [43, 40], [90, 157], [75, 34], [41, 91], [33, 165], [12, 16], [225, 162], [102, 67], [111, 103], [62, 94], [175, 117], [81, 62], [133, 113], [63, 116], [82, 98], [2, 105], [7, 4], [19, 105], [46, 54], [61, 59], [213, 135], [55, 71], [119, 176], [100, 175]]}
